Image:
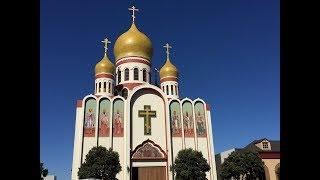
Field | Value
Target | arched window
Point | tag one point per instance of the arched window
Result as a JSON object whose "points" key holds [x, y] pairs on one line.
{"points": [[109, 87], [176, 91], [144, 75], [104, 86], [162, 88], [171, 89], [119, 76], [125, 93], [99, 86], [126, 74], [136, 74], [167, 90]]}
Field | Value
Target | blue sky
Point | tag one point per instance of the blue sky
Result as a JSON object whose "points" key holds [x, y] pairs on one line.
{"points": [[227, 52]]}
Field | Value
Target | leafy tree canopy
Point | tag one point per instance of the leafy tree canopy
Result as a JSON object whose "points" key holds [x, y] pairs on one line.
{"points": [[242, 164], [100, 163], [190, 165]]}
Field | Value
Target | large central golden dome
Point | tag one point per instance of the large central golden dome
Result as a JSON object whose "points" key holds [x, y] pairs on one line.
{"points": [[133, 43]]}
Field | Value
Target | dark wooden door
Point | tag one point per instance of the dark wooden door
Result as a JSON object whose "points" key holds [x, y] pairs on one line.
{"points": [[151, 173]]}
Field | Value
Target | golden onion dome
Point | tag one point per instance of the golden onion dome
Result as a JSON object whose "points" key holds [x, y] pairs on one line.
{"points": [[168, 69], [104, 66], [133, 43]]}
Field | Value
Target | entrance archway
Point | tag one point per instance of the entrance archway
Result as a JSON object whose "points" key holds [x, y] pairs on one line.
{"points": [[148, 162]]}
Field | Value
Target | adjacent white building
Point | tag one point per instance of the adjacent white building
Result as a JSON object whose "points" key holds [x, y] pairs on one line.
{"points": [[50, 177]]}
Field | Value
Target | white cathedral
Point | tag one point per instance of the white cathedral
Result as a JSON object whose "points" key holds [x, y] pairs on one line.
{"points": [[145, 124]]}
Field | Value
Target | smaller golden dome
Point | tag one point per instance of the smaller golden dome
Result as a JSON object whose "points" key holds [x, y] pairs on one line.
{"points": [[133, 43], [168, 69], [104, 66]]}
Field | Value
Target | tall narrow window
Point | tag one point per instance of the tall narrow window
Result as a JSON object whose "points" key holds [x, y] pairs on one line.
{"points": [[119, 76], [149, 74], [136, 74], [144, 75], [125, 93], [167, 90], [175, 87], [99, 86], [162, 88], [126, 74], [109, 87], [96, 88], [171, 89]]}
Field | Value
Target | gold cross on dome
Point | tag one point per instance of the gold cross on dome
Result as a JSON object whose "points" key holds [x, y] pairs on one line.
{"points": [[106, 42], [167, 46], [133, 9]]}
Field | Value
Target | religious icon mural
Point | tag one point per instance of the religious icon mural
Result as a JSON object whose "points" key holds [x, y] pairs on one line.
{"points": [[104, 115], [89, 118], [200, 119], [118, 112], [188, 119], [147, 114], [176, 129]]}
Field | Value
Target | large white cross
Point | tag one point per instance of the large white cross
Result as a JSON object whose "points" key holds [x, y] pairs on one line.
{"points": [[167, 46], [133, 9], [106, 42]]}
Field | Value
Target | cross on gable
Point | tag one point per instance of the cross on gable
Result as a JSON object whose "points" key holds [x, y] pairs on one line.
{"points": [[147, 114]]}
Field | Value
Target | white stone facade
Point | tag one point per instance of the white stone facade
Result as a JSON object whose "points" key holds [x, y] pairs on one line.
{"points": [[145, 94]]}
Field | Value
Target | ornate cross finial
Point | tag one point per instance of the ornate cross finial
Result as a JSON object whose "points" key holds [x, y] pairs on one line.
{"points": [[133, 9], [167, 46], [106, 42]]}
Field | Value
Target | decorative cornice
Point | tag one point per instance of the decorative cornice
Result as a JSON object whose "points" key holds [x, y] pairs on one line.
{"points": [[133, 59], [130, 86], [104, 75], [138, 151], [170, 78], [269, 155]]}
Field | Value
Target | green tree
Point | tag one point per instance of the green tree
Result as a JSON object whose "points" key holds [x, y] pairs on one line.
{"points": [[100, 163], [244, 165], [43, 171], [190, 165]]}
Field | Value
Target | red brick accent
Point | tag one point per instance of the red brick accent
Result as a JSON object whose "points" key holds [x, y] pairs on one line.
{"points": [[130, 86], [79, 103], [208, 107], [168, 79], [270, 155], [133, 59], [104, 76]]}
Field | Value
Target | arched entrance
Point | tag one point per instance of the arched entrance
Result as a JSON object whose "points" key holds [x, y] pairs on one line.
{"points": [[147, 162]]}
